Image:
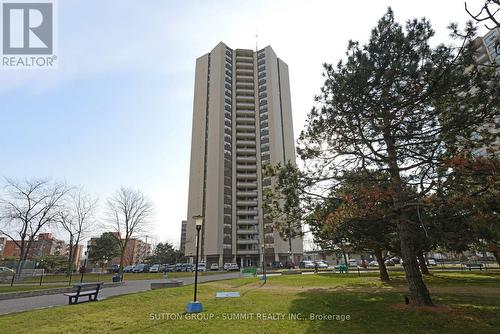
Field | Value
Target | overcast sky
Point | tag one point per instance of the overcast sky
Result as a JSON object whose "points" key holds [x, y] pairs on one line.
{"points": [[118, 109]]}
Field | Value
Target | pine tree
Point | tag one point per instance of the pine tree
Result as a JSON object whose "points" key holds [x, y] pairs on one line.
{"points": [[392, 106]]}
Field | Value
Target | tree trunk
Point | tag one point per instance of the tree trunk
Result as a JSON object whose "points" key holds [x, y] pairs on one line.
{"points": [[19, 266], [69, 270], [122, 258], [422, 264], [344, 255], [120, 269], [419, 293], [384, 275], [25, 248]]}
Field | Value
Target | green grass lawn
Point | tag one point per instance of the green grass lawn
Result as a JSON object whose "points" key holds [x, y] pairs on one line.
{"points": [[471, 305], [25, 287], [107, 277]]}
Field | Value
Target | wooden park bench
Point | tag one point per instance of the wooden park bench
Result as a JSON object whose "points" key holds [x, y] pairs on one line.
{"points": [[84, 289], [471, 266]]}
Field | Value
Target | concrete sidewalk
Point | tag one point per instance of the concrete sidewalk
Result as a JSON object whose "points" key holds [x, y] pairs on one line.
{"points": [[32, 303]]}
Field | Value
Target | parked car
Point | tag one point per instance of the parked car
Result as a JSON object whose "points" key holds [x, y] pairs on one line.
{"points": [[6, 274], [178, 266], [373, 264], [226, 266], [128, 269], [155, 268], [431, 262], [202, 266], [233, 267], [289, 265], [389, 263], [170, 267], [396, 260], [214, 267], [115, 268], [187, 267], [352, 262], [162, 268], [6, 271], [321, 264], [140, 268], [306, 264]]}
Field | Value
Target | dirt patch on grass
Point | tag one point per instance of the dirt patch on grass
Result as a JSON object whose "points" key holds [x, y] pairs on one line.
{"points": [[469, 289], [278, 287], [316, 289], [439, 308]]}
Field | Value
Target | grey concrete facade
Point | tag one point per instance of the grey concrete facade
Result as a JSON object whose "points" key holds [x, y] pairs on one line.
{"points": [[182, 244], [242, 121], [486, 54]]}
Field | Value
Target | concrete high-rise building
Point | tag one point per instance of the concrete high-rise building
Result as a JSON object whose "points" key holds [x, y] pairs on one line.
{"points": [[486, 48], [182, 246], [488, 53], [3, 241], [242, 121]]}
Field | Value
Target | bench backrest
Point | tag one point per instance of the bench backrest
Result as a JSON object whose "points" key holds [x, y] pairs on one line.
{"points": [[88, 286]]}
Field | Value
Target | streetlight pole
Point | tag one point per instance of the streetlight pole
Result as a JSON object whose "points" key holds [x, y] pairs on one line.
{"points": [[195, 306], [198, 227]]}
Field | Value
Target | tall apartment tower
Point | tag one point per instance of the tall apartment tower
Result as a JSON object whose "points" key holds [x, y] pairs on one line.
{"points": [[242, 121], [182, 246], [488, 53], [486, 48]]}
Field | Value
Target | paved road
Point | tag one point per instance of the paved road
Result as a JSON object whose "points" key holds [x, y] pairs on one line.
{"points": [[31, 303]]}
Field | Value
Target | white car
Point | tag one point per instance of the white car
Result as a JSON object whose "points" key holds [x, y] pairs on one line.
{"points": [[202, 266], [353, 263], [232, 267], [6, 270], [321, 264], [373, 264], [431, 262], [306, 264], [214, 267], [154, 268]]}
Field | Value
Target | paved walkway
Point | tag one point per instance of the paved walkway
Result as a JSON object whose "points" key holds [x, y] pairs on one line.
{"points": [[37, 302]]}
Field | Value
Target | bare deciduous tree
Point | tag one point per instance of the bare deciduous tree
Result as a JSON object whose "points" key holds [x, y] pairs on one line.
{"points": [[488, 13], [26, 208], [76, 218], [129, 212]]}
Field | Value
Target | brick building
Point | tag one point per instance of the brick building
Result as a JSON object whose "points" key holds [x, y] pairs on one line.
{"points": [[44, 245], [135, 252]]}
